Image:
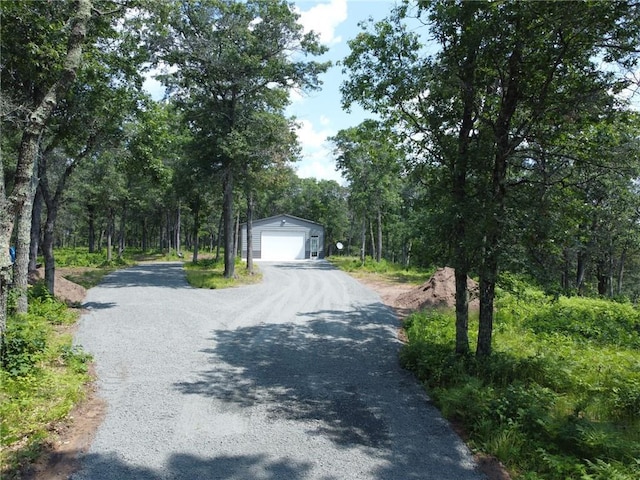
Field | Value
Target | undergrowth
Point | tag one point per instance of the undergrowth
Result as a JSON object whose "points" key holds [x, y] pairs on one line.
{"points": [[560, 396], [41, 378], [209, 273], [384, 268]]}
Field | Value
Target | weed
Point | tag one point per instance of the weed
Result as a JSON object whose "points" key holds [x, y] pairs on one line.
{"points": [[209, 273], [40, 380], [560, 396]]}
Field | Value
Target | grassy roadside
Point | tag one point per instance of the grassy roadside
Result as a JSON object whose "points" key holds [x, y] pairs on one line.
{"points": [[559, 399], [42, 377], [209, 273], [388, 271]]}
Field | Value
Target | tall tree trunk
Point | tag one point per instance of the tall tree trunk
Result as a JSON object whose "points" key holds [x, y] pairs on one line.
{"points": [[47, 249], [379, 249], [91, 220], [145, 241], [178, 226], [602, 276], [494, 224], [565, 280], [122, 231], [363, 249], [488, 279], [219, 239], [36, 230], [610, 274], [459, 196], [236, 236], [168, 233], [14, 206], [581, 270], [110, 228], [406, 253], [52, 201], [623, 256], [374, 254], [23, 241], [250, 207], [196, 231], [227, 211]]}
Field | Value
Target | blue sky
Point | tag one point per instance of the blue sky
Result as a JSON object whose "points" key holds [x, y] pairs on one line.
{"points": [[319, 113]]}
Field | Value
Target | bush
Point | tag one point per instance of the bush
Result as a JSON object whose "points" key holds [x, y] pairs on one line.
{"points": [[603, 321], [41, 378], [25, 343], [558, 399]]}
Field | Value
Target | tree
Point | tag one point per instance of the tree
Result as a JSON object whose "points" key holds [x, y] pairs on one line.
{"points": [[503, 72], [267, 140], [57, 77], [229, 57], [369, 159]]}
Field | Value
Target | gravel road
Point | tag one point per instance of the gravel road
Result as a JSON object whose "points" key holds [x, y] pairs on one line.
{"points": [[294, 378]]}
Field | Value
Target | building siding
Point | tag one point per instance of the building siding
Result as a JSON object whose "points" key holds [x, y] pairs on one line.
{"points": [[275, 224]]}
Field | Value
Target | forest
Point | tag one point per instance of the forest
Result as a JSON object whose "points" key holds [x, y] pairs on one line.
{"points": [[512, 148], [503, 140]]}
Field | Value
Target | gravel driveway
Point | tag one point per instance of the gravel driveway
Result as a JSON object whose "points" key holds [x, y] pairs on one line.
{"points": [[294, 378]]}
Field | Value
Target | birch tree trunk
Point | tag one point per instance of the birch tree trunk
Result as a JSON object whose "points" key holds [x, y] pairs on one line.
{"points": [[250, 206], [36, 227], [23, 241], [22, 195]]}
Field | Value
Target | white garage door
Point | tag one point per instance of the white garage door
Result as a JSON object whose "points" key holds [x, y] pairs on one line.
{"points": [[282, 245]]}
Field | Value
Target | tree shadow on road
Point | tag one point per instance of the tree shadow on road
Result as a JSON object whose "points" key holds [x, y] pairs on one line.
{"points": [[337, 372], [191, 467], [166, 275]]}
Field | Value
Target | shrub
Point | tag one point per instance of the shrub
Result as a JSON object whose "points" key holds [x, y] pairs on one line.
{"points": [[25, 343], [603, 321], [558, 399]]}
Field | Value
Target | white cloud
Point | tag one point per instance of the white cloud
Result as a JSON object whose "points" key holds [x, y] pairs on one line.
{"points": [[153, 87], [309, 137], [323, 19], [320, 170], [317, 157]]}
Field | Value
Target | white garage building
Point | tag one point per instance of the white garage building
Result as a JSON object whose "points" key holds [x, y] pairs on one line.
{"points": [[285, 237]]}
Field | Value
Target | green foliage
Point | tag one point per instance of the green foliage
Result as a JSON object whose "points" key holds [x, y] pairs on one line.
{"points": [[79, 257], [44, 305], [552, 402], [25, 343], [41, 378], [209, 273], [383, 268], [602, 321]]}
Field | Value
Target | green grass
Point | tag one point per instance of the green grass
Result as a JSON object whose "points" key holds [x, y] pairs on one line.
{"points": [[42, 376], [210, 274], [560, 396], [90, 268], [89, 278], [384, 269]]}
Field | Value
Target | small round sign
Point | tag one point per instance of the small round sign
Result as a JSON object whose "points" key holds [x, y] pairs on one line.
{"points": [[339, 246]]}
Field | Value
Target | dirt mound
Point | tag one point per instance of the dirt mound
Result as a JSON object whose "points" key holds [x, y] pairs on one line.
{"points": [[438, 292], [65, 290]]}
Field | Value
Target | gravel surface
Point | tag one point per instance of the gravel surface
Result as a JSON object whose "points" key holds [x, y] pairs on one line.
{"points": [[294, 378]]}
